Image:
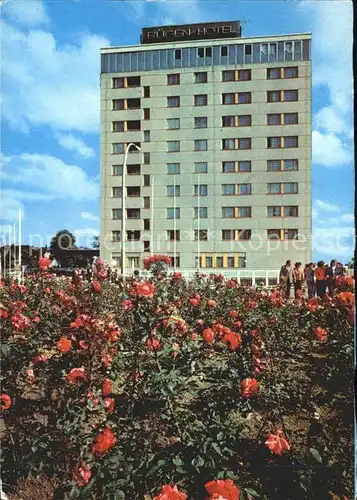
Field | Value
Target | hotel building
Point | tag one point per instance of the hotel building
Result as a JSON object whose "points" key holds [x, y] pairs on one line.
{"points": [[223, 122]]}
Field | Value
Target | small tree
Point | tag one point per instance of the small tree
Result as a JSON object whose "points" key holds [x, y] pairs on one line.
{"points": [[62, 241]]}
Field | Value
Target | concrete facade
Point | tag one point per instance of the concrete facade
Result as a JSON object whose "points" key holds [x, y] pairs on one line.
{"points": [[260, 251]]}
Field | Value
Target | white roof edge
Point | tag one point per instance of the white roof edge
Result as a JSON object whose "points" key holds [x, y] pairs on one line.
{"points": [[146, 46]]}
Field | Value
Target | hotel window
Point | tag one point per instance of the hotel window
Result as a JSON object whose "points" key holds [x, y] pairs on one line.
{"points": [[248, 53], [146, 180], [274, 188], [290, 211], [200, 190], [228, 189], [173, 146], [228, 212], [146, 158], [273, 96], [201, 122], [178, 54], [133, 213], [244, 120], [173, 213], [133, 125], [117, 169], [273, 73], [229, 144], [133, 235], [224, 51], [118, 104], [290, 95], [119, 126], [146, 202], [274, 142], [200, 234], [290, 141], [128, 82], [291, 234], [244, 166], [200, 100], [244, 97], [219, 261], [244, 75], [228, 234], [118, 83], [175, 261], [200, 167], [146, 224], [117, 192], [204, 52], [201, 77], [274, 119], [133, 262], [291, 72], [132, 104], [274, 211], [146, 91], [274, 165], [228, 121], [146, 135], [173, 101], [173, 79], [116, 214], [245, 143], [288, 51], [200, 212], [173, 235], [209, 261], [146, 246], [133, 191], [228, 75], [173, 123], [173, 191], [228, 167], [244, 234], [264, 52], [282, 188], [291, 118], [244, 212], [230, 261], [118, 148], [228, 98], [290, 187], [272, 52], [173, 168], [290, 165], [244, 189], [274, 234], [133, 169], [115, 235], [200, 145], [146, 114]]}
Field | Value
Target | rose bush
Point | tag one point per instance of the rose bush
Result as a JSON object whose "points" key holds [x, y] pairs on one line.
{"points": [[175, 389]]}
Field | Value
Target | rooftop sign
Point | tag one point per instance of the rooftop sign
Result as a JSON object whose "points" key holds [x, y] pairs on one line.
{"points": [[202, 31]]}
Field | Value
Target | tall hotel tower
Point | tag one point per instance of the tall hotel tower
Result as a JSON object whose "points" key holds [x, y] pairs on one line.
{"points": [[222, 179]]}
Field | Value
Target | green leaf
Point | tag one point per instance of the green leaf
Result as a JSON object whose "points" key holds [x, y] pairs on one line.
{"points": [[198, 461], [315, 454], [177, 461], [216, 448], [251, 492]]}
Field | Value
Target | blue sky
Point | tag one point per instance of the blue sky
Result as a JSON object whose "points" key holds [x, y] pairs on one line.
{"points": [[50, 104]]}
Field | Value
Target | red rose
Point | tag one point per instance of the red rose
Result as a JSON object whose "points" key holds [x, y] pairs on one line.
{"points": [[127, 305], [103, 442], [143, 289], [233, 314], [208, 336], [76, 374], [64, 344], [211, 303], [222, 489], [40, 358], [237, 324], [82, 474], [249, 387], [233, 339], [43, 263], [194, 302], [152, 345], [96, 286], [177, 275], [320, 334], [5, 402], [106, 387], [312, 304], [231, 284], [169, 492], [277, 443], [109, 403]]}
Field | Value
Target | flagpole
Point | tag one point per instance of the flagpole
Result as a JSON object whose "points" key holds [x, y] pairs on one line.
{"points": [[20, 242], [198, 226], [152, 215], [175, 223], [9, 268]]}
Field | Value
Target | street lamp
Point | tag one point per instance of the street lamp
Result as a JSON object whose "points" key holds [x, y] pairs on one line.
{"points": [[131, 144]]}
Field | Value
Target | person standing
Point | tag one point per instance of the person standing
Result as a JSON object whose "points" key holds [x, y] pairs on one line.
{"points": [[286, 277], [330, 277], [310, 279], [320, 279], [298, 279]]}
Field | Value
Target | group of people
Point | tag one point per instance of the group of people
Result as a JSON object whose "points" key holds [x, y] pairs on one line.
{"points": [[318, 278]]}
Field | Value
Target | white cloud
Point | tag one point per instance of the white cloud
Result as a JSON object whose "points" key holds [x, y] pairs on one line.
{"points": [[329, 150], [48, 177], [332, 67], [325, 206], [88, 216], [68, 141], [168, 12], [26, 13], [9, 206], [46, 83]]}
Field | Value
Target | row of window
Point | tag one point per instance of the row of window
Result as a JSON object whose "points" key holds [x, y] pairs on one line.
{"points": [[201, 167], [241, 75], [228, 98], [227, 235], [202, 122], [202, 213], [227, 144]]}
